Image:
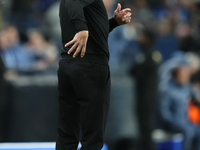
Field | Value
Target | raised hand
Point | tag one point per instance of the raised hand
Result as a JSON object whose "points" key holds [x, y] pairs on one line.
{"points": [[79, 43], [122, 16]]}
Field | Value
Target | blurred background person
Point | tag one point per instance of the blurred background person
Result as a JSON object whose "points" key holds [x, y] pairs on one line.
{"points": [[176, 94], [144, 71], [14, 55], [44, 54]]}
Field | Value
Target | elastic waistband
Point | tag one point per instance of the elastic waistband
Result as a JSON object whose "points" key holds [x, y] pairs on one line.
{"points": [[94, 58]]}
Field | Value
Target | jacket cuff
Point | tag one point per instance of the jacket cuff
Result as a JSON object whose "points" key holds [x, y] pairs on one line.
{"points": [[80, 26], [113, 23]]}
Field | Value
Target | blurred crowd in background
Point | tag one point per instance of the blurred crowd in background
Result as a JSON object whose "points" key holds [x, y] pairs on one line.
{"points": [[29, 42], [154, 63]]}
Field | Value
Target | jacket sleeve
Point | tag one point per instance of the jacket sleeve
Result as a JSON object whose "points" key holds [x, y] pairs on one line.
{"points": [[112, 24], [75, 10]]}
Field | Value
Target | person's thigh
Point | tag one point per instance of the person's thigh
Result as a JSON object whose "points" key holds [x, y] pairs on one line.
{"points": [[92, 85], [68, 120]]}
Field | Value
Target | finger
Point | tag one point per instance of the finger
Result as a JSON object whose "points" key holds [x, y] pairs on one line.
{"points": [[124, 14], [126, 10], [77, 51], [128, 20], [83, 52], [124, 18], [69, 43], [118, 7], [127, 15], [72, 49]]}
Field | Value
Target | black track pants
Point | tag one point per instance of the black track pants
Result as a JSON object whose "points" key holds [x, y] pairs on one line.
{"points": [[84, 96]]}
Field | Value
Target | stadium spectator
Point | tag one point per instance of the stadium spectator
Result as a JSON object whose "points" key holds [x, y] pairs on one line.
{"points": [[44, 54], [176, 93], [14, 55]]}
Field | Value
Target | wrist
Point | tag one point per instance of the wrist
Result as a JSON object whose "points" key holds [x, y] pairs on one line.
{"points": [[114, 22], [84, 31]]}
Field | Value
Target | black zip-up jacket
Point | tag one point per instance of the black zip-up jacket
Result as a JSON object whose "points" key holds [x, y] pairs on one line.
{"points": [[90, 15]]}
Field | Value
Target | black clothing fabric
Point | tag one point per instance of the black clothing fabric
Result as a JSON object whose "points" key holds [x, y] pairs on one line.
{"points": [[91, 15], [2, 68], [84, 83], [22, 6], [84, 93], [146, 77], [2, 99]]}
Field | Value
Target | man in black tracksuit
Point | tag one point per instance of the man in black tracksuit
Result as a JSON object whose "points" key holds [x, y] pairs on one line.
{"points": [[83, 74]]}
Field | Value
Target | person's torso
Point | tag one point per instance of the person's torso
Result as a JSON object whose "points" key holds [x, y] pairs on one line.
{"points": [[180, 99], [97, 23]]}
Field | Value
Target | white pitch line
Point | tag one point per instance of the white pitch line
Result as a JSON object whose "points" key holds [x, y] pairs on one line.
{"points": [[28, 145]]}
